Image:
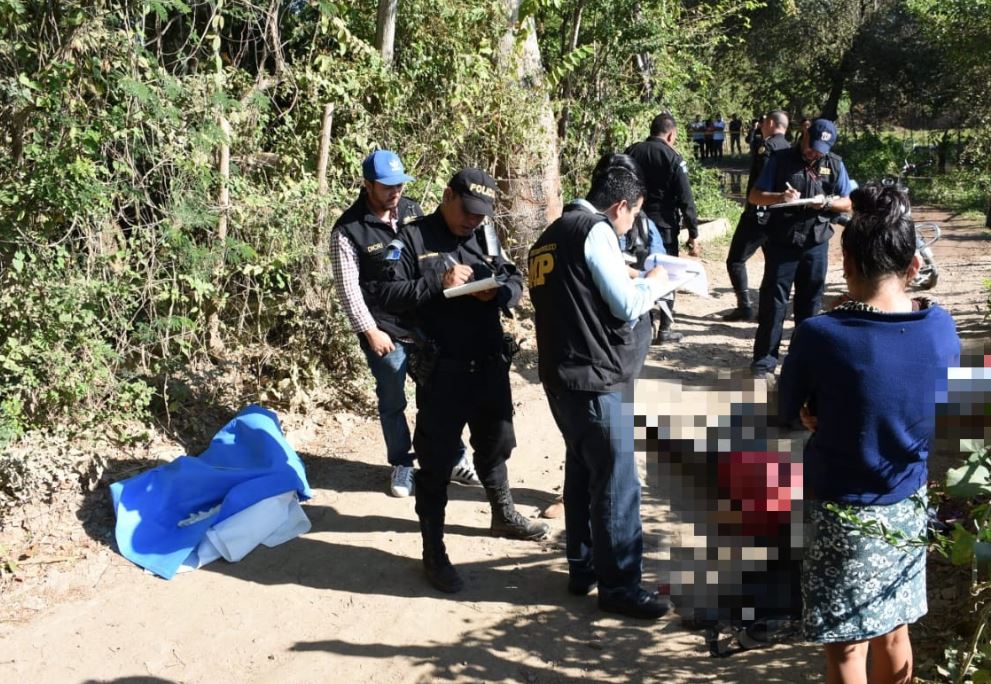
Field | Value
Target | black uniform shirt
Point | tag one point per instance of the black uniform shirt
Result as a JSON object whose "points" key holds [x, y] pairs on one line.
{"points": [[463, 327], [760, 154], [669, 196]]}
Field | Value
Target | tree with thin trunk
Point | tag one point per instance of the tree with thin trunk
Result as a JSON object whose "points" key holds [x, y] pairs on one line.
{"points": [[385, 29]]}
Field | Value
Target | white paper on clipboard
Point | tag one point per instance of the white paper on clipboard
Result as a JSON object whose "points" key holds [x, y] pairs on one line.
{"points": [[489, 283], [683, 274], [818, 199]]}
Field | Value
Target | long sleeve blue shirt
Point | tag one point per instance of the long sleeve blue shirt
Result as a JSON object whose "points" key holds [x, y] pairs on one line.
{"points": [[627, 298], [871, 379]]}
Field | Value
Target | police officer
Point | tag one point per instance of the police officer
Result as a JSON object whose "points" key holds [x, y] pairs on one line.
{"points": [[463, 360], [669, 200], [798, 237], [587, 312], [750, 234], [358, 243], [642, 241]]}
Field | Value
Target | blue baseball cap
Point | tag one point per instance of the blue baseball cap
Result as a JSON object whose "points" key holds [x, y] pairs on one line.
{"points": [[822, 135], [384, 166]]}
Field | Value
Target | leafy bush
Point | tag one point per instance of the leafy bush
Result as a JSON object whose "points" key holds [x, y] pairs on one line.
{"points": [[870, 157]]}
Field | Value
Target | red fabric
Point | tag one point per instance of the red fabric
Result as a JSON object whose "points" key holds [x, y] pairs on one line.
{"points": [[762, 486]]}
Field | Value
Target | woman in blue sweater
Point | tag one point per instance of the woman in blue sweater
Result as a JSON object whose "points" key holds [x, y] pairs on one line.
{"points": [[864, 379]]}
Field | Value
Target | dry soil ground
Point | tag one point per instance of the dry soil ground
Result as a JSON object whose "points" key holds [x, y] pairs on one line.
{"points": [[347, 601]]}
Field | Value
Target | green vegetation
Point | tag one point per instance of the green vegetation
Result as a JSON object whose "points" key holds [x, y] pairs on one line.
{"points": [[166, 192]]}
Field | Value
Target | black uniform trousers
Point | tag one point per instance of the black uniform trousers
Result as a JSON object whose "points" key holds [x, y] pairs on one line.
{"points": [[784, 266], [747, 239], [472, 393]]}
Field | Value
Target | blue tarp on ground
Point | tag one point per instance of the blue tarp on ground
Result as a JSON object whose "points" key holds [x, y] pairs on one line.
{"points": [[164, 513]]}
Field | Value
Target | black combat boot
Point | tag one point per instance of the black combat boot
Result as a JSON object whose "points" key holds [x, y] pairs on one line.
{"points": [[440, 573], [744, 310], [507, 521], [664, 332]]}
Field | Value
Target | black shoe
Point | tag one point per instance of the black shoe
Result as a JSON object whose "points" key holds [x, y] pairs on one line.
{"points": [[507, 521], [581, 586], [442, 575], [515, 526], [644, 605], [669, 336], [739, 314]]}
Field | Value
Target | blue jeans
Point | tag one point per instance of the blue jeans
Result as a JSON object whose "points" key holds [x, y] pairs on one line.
{"points": [[784, 266], [389, 372], [601, 489]]}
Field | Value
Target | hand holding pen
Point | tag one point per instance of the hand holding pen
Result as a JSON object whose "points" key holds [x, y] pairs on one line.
{"points": [[456, 274]]}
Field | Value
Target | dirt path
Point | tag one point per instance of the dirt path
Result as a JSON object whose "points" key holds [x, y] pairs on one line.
{"points": [[347, 601]]}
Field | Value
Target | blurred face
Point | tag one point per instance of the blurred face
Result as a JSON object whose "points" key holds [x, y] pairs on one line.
{"points": [[807, 152], [383, 198], [766, 129], [459, 221], [623, 215]]}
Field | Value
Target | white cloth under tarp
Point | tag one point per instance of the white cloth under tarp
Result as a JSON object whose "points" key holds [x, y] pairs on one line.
{"points": [[271, 522]]}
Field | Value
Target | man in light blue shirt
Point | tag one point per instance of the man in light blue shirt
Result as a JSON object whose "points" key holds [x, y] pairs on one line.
{"points": [[591, 317]]}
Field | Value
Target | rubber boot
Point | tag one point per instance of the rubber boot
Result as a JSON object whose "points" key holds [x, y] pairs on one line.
{"points": [[507, 521], [744, 310], [440, 573]]}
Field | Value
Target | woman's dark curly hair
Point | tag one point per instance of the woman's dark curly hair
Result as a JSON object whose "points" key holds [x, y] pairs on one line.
{"points": [[880, 238]]}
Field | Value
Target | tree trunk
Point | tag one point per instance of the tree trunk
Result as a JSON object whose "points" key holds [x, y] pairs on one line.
{"points": [[530, 181], [385, 29], [215, 343], [324, 154], [568, 85], [830, 108]]}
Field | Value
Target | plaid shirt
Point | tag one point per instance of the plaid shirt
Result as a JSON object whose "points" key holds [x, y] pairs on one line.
{"points": [[344, 264]]}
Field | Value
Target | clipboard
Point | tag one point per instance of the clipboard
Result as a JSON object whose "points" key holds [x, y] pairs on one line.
{"points": [[489, 283], [681, 273], [804, 202]]}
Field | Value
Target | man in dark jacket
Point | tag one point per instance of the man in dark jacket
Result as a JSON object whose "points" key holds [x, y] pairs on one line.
{"points": [[751, 232], [668, 201], [813, 182], [589, 315], [358, 247], [462, 359]]}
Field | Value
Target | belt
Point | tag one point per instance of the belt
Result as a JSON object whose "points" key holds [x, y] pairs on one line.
{"points": [[467, 365]]}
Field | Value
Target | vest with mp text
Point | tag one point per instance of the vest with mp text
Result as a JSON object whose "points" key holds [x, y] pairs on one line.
{"points": [[581, 345]]}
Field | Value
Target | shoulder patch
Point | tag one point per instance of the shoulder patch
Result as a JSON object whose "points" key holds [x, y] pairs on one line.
{"points": [[684, 166]]}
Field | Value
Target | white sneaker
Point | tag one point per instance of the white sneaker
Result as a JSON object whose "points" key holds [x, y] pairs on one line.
{"points": [[464, 472], [402, 481]]}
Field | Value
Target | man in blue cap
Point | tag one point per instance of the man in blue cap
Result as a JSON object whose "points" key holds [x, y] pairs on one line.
{"points": [[358, 248], [797, 249]]}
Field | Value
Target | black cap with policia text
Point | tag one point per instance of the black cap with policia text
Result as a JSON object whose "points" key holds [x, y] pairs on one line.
{"points": [[477, 190]]}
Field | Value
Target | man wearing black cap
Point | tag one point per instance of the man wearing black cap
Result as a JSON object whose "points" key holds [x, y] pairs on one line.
{"points": [[463, 361], [798, 235], [750, 233], [358, 248]]}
